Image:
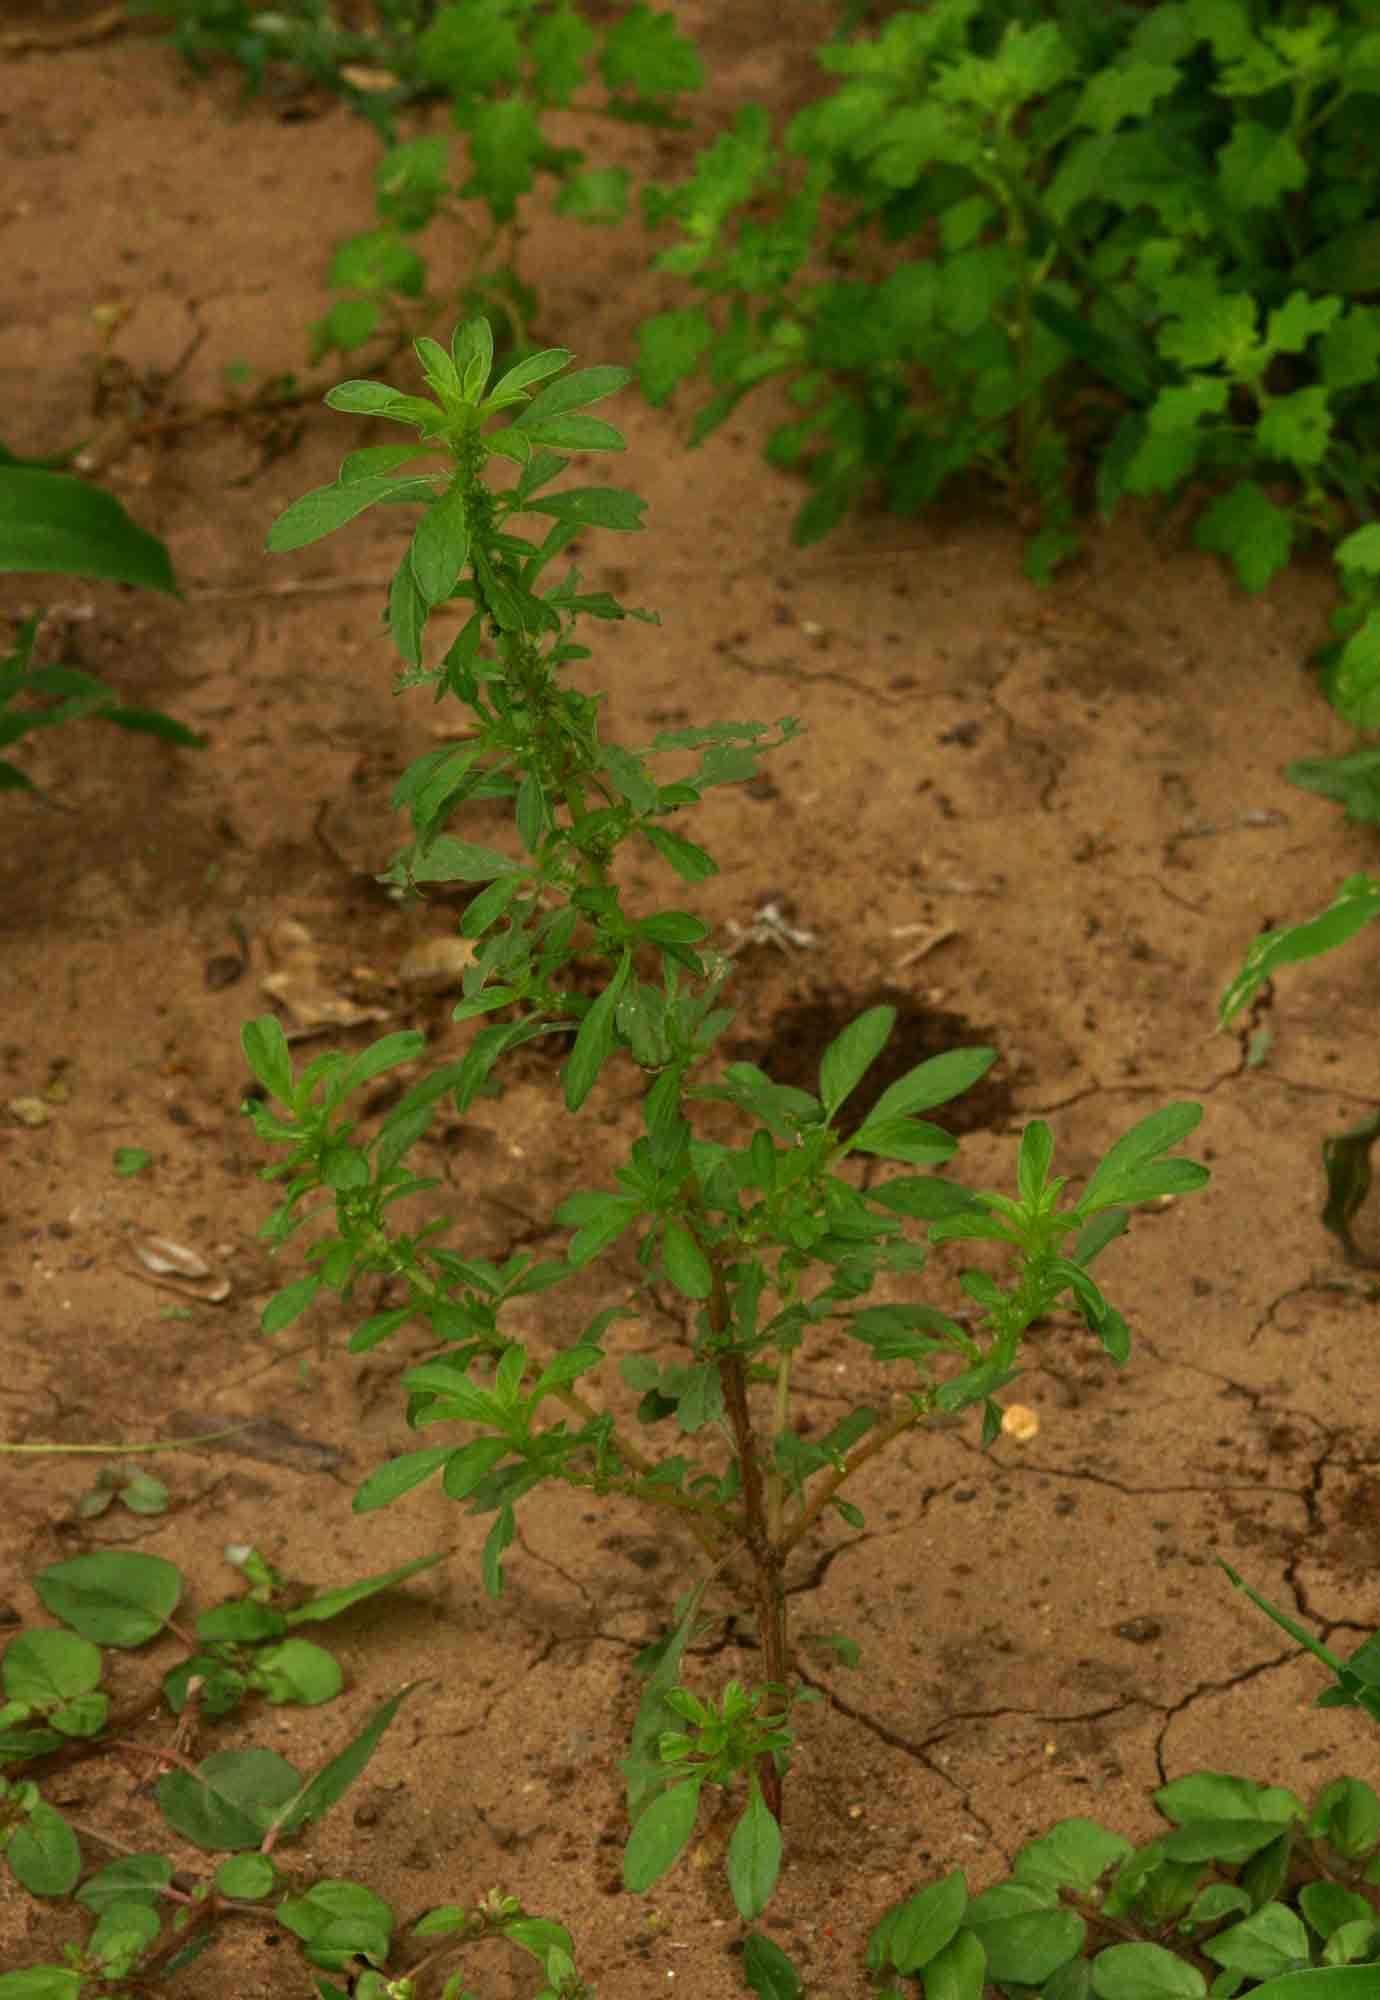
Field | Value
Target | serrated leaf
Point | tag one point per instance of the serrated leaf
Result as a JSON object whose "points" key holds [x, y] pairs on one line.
{"points": [[1248, 529], [118, 1598]]}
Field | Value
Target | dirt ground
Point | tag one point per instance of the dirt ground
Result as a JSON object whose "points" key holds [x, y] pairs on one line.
{"points": [[1048, 822]]}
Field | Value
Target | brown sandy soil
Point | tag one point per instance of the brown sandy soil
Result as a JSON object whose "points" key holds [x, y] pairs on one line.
{"points": [[1048, 822]]}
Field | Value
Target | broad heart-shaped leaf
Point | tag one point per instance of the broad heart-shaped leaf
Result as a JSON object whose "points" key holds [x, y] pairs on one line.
{"points": [[51, 522], [230, 1801], [959, 1972], [660, 1835], [330, 507], [43, 1853], [1134, 1151], [851, 1054], [334, 1779], [47, 1666], [1024, 1939], [121, 1598], [916, 1931], [297, 1671], [1136, 1970], [754, 1856]]}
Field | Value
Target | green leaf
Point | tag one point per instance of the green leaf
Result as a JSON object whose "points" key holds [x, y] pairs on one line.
{"points": [[851, 1054], [920, 1928], [41, 1982], [574, 392], [398, 1476], [908, 1139], [1248, 529], [1074, 1854], [231, 1799], [131, 1160], [646, 52], [472, 1464], [535, 368], [1135, 1969], [671, 346], [1025, 1941], [691, 863], [959, 1972], [660, 1835], [266, 1051], [1263, 1945], [1356, 903], [594, 1042], [1297, 428], [328, 1604], [288, 1304], [754, 1855], [593, 507], [441, 545], [296, 1671], [334, 1779], [329, 507], [51, 522], [768, 1971], [686, 1264], [1353, 685], [43, 1853], [121, 1598], [1135, 1150], [496, 1542], [339, 1921], [933, 1082], [46, 1666], [249, 1878], [450, 860], [1259, 165], [133, 1878], [575, 433]]}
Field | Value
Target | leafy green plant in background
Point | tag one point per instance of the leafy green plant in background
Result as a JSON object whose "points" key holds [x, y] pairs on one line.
{"points": [[768, 1242], [1121, 251], [52, 523], [150, 1920], [1250, 1892], [502, 64]]}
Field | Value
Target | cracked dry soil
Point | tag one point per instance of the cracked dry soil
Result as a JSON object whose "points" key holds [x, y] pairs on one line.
{"points": [[1047, 822]]}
